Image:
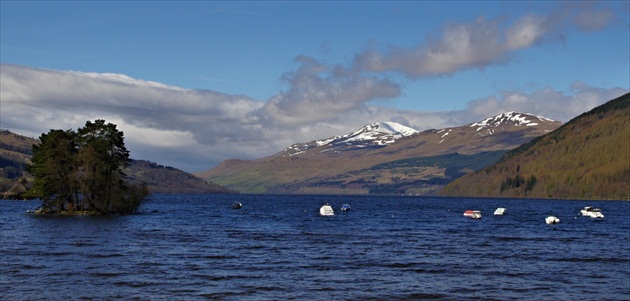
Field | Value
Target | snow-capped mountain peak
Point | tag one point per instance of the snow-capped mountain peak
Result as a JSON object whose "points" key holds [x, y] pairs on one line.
{"points": [[372, 135], [510, 118], [380, 133]]}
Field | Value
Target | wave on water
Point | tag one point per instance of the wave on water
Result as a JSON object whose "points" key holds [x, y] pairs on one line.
{"points": [[195, 247]]}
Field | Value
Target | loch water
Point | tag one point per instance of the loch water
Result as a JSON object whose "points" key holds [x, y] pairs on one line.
{"points": [[277, 247]]}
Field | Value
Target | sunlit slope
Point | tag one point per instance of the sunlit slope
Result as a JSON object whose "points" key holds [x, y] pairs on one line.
{"points": [[586, 158], [382, 158]]}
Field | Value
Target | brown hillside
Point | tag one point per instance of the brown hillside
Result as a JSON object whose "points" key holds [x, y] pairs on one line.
{"points": [[348, 169], [165, 179], [587, 158], [15, 154]]}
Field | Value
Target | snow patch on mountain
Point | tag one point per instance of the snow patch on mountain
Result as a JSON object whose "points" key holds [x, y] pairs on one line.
{"points": [[372, 135], [384, 133], [380, 133], [509, 118]]}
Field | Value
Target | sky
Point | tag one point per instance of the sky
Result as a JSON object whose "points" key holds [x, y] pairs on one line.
{"points": [[191, 84]]}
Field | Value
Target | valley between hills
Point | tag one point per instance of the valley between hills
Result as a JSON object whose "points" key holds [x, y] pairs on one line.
{"points": [[378, 159], [509, 155]]}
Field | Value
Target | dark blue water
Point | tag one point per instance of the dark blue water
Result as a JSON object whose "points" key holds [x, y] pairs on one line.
{"points": [[188, 247]]}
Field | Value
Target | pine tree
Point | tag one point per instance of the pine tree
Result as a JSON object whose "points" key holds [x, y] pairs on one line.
{"points": [[53, 169], [84, 170], [102, 158]]}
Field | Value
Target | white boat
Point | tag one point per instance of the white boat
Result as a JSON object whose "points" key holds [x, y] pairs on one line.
{"points": [[326, 210], [474, 214], [499, 211], [592, 212], [552, 220]]}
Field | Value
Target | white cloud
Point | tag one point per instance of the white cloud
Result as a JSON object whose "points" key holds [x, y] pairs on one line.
{"points": [[546, 102], [461, 46], [319, 92], [195, 130], [483, 42], [525, 33]]}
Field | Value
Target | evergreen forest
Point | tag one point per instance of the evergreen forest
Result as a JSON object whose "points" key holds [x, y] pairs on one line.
{"points": [[82, 171]]}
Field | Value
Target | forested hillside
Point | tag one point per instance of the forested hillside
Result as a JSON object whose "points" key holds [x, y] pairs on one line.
{"points": [[586, 158], [16, 152], [165, 179]]}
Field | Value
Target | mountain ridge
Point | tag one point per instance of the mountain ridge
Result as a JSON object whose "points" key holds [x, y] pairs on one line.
{"points": [[376, 134], [16, 151], [315, 167], [586, 158]]}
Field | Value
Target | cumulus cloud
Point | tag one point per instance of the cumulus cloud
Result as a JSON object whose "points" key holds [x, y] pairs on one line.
{"points": [[189, 129], [319, 92], [461, 46], [197, 129], [150, 114], [547, 102], [483, 42]]}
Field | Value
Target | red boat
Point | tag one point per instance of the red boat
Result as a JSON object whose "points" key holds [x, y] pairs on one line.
{"points": [[475, 214]]}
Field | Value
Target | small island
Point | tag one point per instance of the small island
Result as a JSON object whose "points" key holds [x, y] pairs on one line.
{"points": [[81, 172]]}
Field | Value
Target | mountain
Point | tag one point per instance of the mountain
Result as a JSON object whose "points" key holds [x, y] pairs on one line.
{"points": [[166, 179], [15, 154], [373, 135], [383, 158], [586, 158]]}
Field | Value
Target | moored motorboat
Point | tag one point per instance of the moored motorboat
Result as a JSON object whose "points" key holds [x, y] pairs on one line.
{"points": [[326, 210], [500, 211], [237, 205], [345, 207], [592, 212], [552, 220], [474, 214]]}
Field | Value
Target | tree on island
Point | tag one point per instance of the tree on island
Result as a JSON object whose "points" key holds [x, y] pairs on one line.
{"points": [[83, 171]]}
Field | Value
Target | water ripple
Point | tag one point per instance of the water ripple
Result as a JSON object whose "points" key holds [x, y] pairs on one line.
{"points": [[185, 247]]}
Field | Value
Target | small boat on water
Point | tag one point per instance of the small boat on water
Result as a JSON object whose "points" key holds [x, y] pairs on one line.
{"points": [[237, 205], [550, 220], [499, 211], [345, 207], [474, 214], [592, 212], [326, 210]]}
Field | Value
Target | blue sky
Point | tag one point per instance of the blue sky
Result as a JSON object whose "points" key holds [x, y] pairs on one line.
{"points": [[204, 81]]}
